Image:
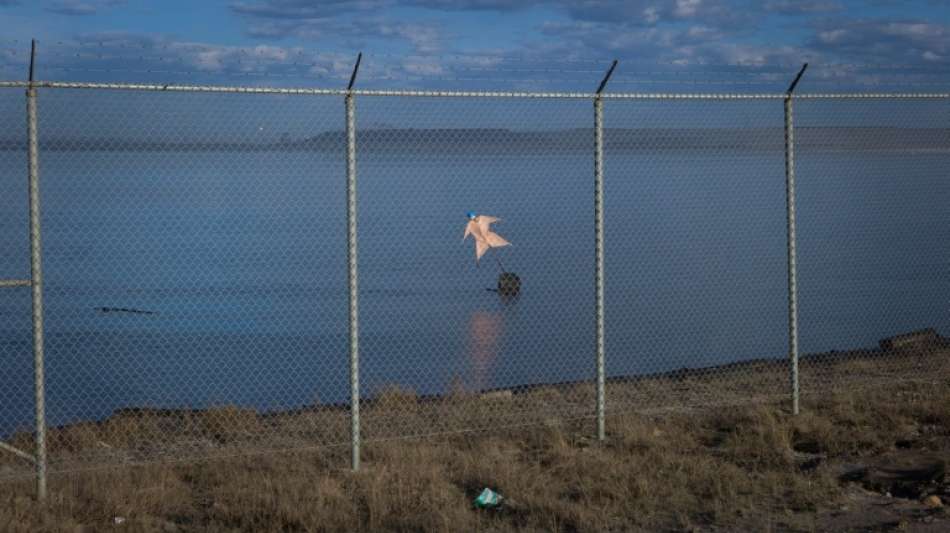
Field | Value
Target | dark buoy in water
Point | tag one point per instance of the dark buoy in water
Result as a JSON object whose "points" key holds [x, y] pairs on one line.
{"points": [[509, 284]]}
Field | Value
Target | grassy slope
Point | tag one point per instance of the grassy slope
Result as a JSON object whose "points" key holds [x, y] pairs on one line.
{"points": [[741, 468]]}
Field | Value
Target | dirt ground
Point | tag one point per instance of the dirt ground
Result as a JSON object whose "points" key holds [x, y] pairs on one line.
{"points": [[864, 460], [712, 449]]}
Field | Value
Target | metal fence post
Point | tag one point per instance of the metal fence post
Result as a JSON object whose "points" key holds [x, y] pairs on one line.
{"points": [[36, 282], [790, 217], [599, 253], [353, 272]]}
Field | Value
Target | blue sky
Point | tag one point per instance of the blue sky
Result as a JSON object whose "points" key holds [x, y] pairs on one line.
{"points": [[511, 43]]}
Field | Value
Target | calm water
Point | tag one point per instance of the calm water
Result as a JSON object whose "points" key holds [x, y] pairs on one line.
{"points": [[242, 258]]}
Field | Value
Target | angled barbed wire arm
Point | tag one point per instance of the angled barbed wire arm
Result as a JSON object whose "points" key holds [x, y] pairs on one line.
{"points": [[603, 82], [798, 78], [356, 69], [792, 265], [352, 269], [601, 407], [36, 280]]}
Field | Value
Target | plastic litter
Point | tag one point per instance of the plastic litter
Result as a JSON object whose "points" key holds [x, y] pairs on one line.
{"points": [[488, 498]]}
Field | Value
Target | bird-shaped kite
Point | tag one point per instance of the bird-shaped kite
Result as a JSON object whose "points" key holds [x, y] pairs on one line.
{"points": [[479, 227]]}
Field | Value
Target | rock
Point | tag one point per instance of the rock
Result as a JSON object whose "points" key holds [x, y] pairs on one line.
{"points": [[170, 527], [915, 339], [496, 395], [807, 462], [125, 310], [933, 501], [904, 475], [509, 284]]}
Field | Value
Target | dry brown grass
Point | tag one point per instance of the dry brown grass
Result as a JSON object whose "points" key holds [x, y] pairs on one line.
{"points": [[148, 435], [752, 467]]}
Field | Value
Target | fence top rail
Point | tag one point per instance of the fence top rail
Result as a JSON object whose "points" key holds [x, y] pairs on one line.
{"points": [[465, 94]]}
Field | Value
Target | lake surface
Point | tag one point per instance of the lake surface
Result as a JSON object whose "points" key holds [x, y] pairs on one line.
{"points": [[241, 256]]}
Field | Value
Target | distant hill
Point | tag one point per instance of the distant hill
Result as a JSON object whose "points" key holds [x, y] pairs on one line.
{"points": [[506, 141]]}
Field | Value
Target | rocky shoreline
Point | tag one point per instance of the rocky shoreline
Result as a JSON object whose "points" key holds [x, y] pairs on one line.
{"points": [[142, 435]]}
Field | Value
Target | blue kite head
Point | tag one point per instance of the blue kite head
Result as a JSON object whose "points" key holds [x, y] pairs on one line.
{"points": [[471, 215]]}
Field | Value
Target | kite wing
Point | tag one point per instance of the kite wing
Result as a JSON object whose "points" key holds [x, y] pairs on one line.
{"points": [[495, 240], [470, 229], [484, 221], [480, 248]]}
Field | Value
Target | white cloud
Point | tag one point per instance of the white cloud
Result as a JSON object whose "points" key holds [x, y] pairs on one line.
{"points": [[803, 7], [687, 8], [83, 7], [832, 36], [877, 41], [651, 15]]}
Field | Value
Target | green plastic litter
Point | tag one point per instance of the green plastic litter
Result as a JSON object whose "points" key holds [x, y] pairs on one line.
{"points": [[488, 498]]}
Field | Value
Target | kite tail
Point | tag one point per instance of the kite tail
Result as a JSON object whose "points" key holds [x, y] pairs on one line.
{"points": [[501, 266]]}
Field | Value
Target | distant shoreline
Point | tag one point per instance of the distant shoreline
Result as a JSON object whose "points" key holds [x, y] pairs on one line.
{"points": [[503, 141], [145, 434]]}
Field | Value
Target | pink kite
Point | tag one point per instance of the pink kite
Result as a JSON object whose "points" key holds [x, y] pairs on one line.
{"points": [[479, 227]]}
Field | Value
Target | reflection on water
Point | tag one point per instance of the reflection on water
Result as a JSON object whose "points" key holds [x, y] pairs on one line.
{"points": [[484, 335]]}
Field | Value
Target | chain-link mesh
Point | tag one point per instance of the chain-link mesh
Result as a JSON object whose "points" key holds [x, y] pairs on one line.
{"points": [[195, 254], [696, 252], [16, 361], [194, 272], [443, 350], [874, 265]]}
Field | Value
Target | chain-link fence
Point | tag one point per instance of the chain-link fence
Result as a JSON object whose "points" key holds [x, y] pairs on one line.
{"points": [[203, 296], [875, 274]]}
